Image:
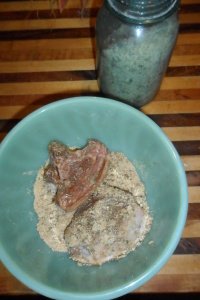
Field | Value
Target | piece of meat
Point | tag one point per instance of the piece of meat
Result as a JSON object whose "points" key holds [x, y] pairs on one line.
{"points": [[109, 228], [76, 173]]}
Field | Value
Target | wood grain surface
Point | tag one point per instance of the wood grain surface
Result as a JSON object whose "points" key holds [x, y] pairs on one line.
{"points": [[46, 56]]}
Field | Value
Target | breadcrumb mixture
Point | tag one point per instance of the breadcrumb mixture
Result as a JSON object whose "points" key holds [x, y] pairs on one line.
{"points": [[114, 220], [52, 220]]}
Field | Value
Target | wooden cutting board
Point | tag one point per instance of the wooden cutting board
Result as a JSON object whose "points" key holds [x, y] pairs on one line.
{"points": [[45, 56]]}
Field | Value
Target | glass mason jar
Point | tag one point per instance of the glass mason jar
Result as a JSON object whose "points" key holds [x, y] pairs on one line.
{"points": [[135, 40]]}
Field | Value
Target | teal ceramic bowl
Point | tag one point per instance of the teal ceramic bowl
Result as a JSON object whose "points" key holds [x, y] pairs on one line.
{"points": [[121, 128]]}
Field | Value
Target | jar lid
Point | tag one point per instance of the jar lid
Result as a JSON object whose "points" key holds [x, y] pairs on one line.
{"points": [[141, 12]]}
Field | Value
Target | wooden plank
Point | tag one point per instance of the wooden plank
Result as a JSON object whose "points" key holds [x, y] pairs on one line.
{"points": [[45, 54], [191, 163], [47, 65], [194, 194], [43, 5], [66, 33], [66, 75], [193, 212], [185, 60], [193, 178], [71, 43], [155, 107], [162, 283], [188, 246], [77, 43], [186, 49], [188, 38], [48, 87], [172, 96], [187, 147], [190, 2], [178, 95], [16, 111], [190, 18], [38, 99], [163, 95], [172, 107], [89, 85], [170, 83], [182, 264], [39, 34], [16, 25], [176, 120], [2, 135], [189, 28], [183, 133], [76, 64], [24, 5], [61, 76], [10, 285], [87, 12], [192, 229], [49, 14]]}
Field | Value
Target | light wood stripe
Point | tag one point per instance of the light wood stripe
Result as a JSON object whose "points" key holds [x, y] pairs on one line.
{"points": [[162, 283], [175, 83], [77, 43], [71, 43], [17, 25], [194, 194], [45, 88], [48, 87], [185, 60], [24, 5], [192, 229], [182, 264], [46, 54], [44, 5], [47, 65], [183, 133], [78, 64], [191, 163], [172, 107]]}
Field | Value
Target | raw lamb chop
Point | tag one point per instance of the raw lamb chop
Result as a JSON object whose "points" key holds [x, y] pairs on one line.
{"points": [[75, 172]]}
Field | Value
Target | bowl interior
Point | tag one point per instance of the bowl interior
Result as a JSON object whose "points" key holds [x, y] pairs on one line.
{"points": [[73, 122]]}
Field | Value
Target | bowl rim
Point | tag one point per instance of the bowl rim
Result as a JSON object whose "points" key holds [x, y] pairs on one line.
{"points": [[166, 253]]}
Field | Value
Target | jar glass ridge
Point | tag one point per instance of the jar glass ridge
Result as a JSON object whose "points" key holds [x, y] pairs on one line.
{"points": [[141, 12]]}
